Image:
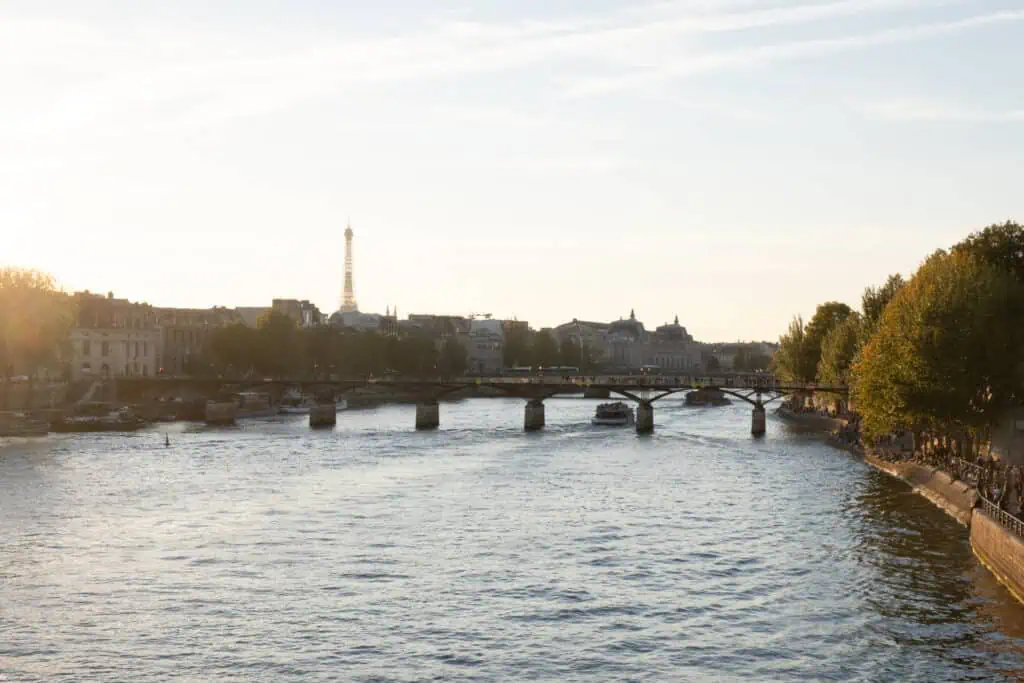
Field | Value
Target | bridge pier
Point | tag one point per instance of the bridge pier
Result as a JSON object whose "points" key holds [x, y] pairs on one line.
{"points": [[323, 414], [644, 417], [220, 412], [533, 417], [428, 415], [757, 420]]}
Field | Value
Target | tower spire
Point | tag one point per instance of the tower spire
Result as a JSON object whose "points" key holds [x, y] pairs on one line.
{"points": [[348, 296]]}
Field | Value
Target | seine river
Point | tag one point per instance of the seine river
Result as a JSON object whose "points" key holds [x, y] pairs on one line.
{"points": [[481, 553]]}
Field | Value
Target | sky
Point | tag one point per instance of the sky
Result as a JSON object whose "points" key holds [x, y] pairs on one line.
{"points": [[732, 162]]}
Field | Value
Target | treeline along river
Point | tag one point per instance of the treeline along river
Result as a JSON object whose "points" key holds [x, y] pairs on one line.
{"points": [[269, 552]]}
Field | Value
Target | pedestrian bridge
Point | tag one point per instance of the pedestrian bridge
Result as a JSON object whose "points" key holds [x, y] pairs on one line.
{"points": [[758, 389]]}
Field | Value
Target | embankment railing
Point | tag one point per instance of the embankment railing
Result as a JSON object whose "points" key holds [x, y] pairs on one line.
{"points": [[1004, 518], [972, 472]]}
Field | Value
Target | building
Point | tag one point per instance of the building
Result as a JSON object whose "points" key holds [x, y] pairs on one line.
{"points": [[485, 347], [114, 338], [588, 335], [304, 313], [250, 315], [185, 335], [441, 327], [670, 347]]}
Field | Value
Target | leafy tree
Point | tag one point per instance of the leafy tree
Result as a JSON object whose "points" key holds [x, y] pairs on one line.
{"points": [[947, 350], [453, 358], [873, 303], [516, 349], [544, 349], [827, 316], [838, 350], [233, 350], [571, 354], [35, 324], [794, 361], [999, 245], [279, 344]]}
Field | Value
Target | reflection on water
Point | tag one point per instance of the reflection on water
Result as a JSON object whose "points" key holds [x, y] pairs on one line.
{"points": [[271, 552]]}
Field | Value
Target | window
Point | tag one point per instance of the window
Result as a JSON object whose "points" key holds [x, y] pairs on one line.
{"points": [[86, 349], [145, 370], [145, 348], [136, 349], [105, 349]]}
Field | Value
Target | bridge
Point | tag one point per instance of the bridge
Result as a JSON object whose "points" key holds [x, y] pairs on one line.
{"points": [[645, 390]]}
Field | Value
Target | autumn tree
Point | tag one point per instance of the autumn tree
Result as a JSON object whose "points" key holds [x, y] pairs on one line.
{"points": [[873, 303], [838, 349], [35, 324], [947, 349], [794, 360], [999, 245]]}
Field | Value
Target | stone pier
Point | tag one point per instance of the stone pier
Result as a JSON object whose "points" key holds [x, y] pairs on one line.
{"points": [[428, 415], [533, 419], [323, 415], [757, 420], [644, 417], [220, 412]]}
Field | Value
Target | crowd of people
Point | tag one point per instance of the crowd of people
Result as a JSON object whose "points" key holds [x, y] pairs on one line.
{"points": [[995, 480]]}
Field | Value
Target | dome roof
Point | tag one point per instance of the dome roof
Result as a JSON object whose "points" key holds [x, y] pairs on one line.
{"points": [[631, 327]]}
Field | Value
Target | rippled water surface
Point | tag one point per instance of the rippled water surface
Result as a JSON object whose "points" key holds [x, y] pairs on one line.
{"points": [[374, 553]]}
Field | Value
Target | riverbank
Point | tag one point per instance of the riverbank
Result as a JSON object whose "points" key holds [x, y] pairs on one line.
{"points": [[808, 419], [998, 547]]}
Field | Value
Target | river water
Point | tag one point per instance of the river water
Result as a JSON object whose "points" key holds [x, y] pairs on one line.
{"points": [[478, 552]]}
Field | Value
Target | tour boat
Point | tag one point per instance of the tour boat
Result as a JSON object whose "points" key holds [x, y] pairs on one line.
{"points": [[116, 421], [615, 414]]}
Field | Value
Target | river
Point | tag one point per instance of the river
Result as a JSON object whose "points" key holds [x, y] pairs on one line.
{"points": [[270, 552]]}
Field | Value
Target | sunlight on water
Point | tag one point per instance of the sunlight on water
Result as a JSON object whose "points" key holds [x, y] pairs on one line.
{"points": [[478, 552]]}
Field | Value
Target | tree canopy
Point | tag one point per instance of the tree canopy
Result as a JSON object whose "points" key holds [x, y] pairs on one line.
{"points": [[35, 321], [794, 361], [947, 349], [838, 349], [1000, 245]]}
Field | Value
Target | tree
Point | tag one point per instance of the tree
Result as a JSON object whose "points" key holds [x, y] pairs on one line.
{"points": [[544, 350], [35, 323], [280, 353], [873, 303], [838, 350], [453, 358], [516, 349], [571, 354], [999, 245], [794, 361], [947, 350], [233, 350], [827, 316]]}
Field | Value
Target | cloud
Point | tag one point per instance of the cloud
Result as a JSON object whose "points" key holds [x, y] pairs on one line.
{"points": [[766, 54], [923, 110], [118, 80]]}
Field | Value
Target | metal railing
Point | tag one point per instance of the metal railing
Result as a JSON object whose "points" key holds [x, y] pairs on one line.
{"points": [[1003, 517], [973, 471]]}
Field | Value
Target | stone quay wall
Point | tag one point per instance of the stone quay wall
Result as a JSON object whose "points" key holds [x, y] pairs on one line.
{"points": [[999, 548]]}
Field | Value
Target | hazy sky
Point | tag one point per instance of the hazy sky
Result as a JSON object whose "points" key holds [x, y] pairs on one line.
{"points": [[732, 161]]}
